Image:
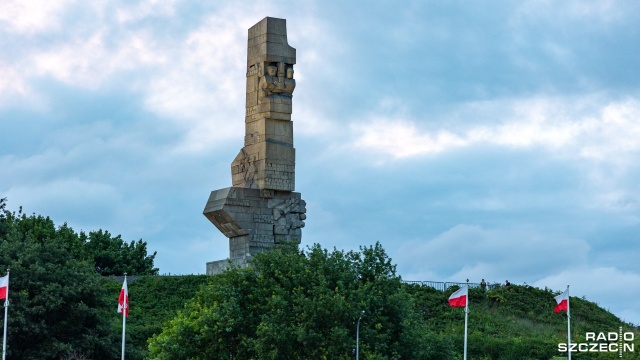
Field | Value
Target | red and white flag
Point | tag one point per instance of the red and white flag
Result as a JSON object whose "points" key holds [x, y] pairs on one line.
{"points": [[4, 286], [459, 298], [123, 300], [563, 301]]}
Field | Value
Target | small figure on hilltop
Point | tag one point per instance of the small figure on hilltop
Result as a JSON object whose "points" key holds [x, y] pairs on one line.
{"points": [[507, 283], [483, 285]]}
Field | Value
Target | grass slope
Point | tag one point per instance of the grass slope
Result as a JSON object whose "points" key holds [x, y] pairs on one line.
{"points": [[153, 300], [515, 322]]}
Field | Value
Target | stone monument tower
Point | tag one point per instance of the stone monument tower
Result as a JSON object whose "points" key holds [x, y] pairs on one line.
{"points": [[261, 209]]}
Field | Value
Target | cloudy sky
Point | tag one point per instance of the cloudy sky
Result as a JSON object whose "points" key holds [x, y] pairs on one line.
{"points": [[473, 140]]}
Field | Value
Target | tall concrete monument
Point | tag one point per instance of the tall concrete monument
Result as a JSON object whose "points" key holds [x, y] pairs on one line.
{"points": [[261, 210]]}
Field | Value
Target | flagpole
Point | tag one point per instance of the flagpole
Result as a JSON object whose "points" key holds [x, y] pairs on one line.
{"points": [[568, 326], [124, 317], [466, 320], [6, 308]]}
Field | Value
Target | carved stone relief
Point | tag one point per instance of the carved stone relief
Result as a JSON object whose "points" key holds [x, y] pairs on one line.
{"points": [[277, 79]]}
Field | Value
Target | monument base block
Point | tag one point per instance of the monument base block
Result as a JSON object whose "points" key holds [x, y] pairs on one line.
{"points": [[254, 220]]}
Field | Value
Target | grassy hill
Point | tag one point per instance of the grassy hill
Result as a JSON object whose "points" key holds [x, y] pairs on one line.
{"points": [[515, 322], [153, 300]]}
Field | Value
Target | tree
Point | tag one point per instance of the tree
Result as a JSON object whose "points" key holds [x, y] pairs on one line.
{"points": [[60, 308], [110, 255], [301, 305], [55, 293], [113, 256]]}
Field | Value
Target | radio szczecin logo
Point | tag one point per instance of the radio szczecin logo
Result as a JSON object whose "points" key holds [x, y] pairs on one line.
{"points": [[607, 342]]}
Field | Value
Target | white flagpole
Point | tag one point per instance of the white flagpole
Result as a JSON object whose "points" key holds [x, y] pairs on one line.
{"points": [[568, 326], [124, 314], [6, 307], [466, 320]]}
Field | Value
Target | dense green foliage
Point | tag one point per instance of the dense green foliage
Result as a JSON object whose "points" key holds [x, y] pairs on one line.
{"points": [[302, 305], [56, 295], [305, 305], [113, 256], [110, 255]]}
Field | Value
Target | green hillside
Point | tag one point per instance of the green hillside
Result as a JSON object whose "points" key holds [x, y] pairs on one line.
{"points": [[314, 300], [516, 322], [153, 300]]}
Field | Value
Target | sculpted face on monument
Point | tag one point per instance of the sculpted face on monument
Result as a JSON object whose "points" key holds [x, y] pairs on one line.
{"points": [[272, 71], [261, 210], [278, 81], [289, 82]]}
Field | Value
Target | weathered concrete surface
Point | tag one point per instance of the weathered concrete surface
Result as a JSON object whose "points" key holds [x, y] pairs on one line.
{"points": [[261, 210]]}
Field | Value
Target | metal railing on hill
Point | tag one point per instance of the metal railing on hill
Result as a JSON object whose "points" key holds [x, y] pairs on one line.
{"points": [[442, 286], [438, 285], [118, 278], [133, 278]]}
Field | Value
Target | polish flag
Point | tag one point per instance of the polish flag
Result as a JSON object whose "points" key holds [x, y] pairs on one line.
{"points": [[459, 298], [4, 286], [123, 300], [563, 301]]}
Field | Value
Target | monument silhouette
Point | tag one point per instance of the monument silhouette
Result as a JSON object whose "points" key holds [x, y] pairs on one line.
{"points": [[261, 210]]}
